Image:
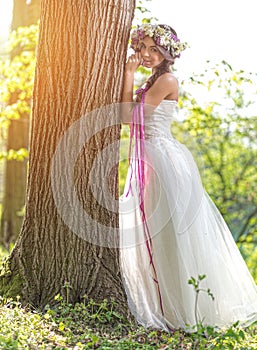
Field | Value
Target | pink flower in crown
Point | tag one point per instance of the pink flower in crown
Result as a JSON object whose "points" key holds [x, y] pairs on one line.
{"points": [[158, 40], [134, 41], [172, 36], [140, 34]]}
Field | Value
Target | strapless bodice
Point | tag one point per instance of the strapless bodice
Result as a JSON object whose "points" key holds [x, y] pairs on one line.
{"points": [[158, 123]]}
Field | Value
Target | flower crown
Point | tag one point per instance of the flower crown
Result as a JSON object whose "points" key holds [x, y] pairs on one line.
{"points": [[161, 35]]}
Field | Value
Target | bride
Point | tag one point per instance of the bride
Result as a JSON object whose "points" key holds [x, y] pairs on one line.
{"points": [[170, 230]]}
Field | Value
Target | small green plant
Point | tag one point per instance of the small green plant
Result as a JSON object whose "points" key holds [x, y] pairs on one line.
{"points": [[196, 284], [67, 288], [209, 337], [200, 328]]}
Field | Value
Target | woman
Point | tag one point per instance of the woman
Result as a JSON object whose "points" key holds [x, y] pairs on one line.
{"points": [[170, 230]]}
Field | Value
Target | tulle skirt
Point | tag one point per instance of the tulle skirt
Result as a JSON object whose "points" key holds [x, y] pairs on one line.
{"points": [[183, 237]]}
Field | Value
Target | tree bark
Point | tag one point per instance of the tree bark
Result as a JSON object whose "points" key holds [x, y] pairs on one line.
{"points": [[80, 68], [15, 174]]}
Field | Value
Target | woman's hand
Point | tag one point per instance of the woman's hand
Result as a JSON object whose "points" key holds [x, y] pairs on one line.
{"points": [[133, 62]]}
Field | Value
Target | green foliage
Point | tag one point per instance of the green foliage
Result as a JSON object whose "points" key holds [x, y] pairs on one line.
{"points": [[19, 155], [92, 325], [3, 254], [16, 83], [250, 252], [24, 39], [142, 14], [21, 327], [124, 161]]}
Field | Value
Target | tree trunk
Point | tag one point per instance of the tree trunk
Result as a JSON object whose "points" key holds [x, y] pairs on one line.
{"points": [[80, 68], [15, 174]]}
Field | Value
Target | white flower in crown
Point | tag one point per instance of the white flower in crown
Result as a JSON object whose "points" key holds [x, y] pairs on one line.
{"points": [[150, 33], [146, 28], [160, 30], [166, 41]]}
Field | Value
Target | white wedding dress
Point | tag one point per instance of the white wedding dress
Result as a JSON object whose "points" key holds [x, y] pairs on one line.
{"points": [[186, 237]]}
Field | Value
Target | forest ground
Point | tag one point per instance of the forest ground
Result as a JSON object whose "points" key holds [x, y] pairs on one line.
{"points": [[91, 325]]}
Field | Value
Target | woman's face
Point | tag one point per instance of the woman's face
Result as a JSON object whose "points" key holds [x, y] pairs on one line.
{"points": [[150, 54]]}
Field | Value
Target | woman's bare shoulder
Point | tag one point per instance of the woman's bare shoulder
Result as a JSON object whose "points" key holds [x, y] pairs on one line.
{"points": [[168, 84], [165, 87], [168, 78]]}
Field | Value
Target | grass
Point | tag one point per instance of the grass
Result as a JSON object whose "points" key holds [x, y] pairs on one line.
{"points": [[91, 325]]}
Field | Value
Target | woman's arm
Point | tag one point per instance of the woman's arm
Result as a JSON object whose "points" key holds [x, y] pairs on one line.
{"points": [[131, 66], [128, 84]]}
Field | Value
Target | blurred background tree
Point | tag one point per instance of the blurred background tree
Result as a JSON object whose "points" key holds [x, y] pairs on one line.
{"points": [[17, 73]]}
